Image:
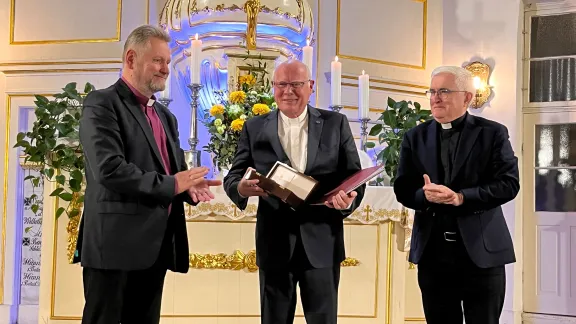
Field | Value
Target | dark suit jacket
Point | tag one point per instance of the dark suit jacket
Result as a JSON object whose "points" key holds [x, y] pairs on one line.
{"points": [[485, 172], [127, 189], [332, 156]]}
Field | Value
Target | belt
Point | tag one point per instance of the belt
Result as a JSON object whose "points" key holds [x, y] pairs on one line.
{"points": [[450, 236]]}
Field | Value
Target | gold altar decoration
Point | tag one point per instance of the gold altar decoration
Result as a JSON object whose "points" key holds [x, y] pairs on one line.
{"points": [[378, 206], [239, 261], [72, 230], [251, 7], [288, 24]]}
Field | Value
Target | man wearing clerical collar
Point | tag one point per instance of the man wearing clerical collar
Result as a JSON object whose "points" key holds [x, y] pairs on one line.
{"points": [[305, 246], [133, 227], [456, 171]]}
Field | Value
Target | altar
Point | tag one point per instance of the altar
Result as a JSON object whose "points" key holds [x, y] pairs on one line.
{"points": [[377, 284]]}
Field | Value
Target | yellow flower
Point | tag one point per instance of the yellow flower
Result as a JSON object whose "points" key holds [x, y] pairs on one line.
{"points": [[217, 110], [237, 125], [260, 109], [237, 97], [249, 79]]}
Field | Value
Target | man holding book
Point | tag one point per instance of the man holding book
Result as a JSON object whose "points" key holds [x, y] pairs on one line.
{"points": [[303, 244]]}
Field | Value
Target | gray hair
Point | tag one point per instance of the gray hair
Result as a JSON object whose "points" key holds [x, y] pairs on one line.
{"points": [[140, 38], [464, 79]]}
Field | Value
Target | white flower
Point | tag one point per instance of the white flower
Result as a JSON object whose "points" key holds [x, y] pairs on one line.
{"points": [[243, 117]]}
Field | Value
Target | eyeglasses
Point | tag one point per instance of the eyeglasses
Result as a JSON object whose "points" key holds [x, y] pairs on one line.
{"points": [[294, 85], [442, 93]]}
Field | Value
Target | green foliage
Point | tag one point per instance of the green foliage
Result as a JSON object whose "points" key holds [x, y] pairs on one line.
{"points": [[397, 119], [53, 144]]}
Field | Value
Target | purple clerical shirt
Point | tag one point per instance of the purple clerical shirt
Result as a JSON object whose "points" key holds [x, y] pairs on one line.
{"points": [[156, 125]]}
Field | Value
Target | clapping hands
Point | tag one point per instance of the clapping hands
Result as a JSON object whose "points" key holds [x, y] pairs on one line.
{"points": [[195, 184], [440, 194]]}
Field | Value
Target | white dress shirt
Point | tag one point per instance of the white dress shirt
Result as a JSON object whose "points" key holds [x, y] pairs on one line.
{"points": [[293, 134]]}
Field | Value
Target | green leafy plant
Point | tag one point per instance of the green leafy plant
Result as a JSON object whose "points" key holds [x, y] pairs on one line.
{"points": [[53, 145], [397, 119]]}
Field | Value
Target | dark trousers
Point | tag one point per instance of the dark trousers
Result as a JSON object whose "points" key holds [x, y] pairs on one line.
{"points": [[454, 288], [127, 297], [318, 292]]}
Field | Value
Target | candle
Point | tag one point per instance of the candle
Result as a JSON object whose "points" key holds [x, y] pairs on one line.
{"points": [[363, 95], [335, 82], [195, 49], [307, 55], [166, 92]]}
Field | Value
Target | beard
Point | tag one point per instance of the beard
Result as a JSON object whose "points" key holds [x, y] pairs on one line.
{"points": [[156, 86]]}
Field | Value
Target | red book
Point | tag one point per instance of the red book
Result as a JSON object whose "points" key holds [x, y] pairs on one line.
{"points": [[352, 182]]}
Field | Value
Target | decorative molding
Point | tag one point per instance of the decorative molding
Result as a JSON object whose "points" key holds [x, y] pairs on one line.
{"points": [[415, 93], [239, 261], [116, 38], [422, 66], [529, 318], [59, 63], [9, 72]]}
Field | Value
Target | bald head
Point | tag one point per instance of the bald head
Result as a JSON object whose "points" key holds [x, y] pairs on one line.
{"points": [[294, 65], [292, 87]]}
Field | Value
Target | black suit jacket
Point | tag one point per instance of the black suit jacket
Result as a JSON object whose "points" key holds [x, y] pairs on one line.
{"points": [[332, 156], [127, 189], [485, 172]]}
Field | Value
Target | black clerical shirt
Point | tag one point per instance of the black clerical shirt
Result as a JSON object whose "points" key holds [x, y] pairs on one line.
{"points": [[441, 246]]}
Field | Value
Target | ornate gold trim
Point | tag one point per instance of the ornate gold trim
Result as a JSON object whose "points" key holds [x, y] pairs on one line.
{"points": [[246, 262], [422, 66], [65, 41], [416, 93], [60, 71], [239, 260], [5, 195], [59, 63], [401, 84], [415, 319]]}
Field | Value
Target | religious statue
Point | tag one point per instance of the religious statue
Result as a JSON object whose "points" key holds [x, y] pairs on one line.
{"points": [[252, 8]]}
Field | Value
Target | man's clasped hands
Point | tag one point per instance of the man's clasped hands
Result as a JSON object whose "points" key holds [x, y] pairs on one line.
{"points": [[440, 194]]}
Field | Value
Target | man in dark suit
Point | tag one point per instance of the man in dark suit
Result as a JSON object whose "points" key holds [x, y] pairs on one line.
{"points": [[456, 171], [133, 227], [307, 245]]}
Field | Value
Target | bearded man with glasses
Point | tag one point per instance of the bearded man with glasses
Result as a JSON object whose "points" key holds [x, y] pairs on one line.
{"points": [[456, 171], [304, 246]]}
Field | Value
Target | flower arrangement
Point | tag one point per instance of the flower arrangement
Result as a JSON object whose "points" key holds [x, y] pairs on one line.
{"points": [[225, 119]]}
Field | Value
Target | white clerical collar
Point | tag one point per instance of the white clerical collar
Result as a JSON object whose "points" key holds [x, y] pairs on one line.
{"points": [[446, 125], [150, 102], [298, 120]]}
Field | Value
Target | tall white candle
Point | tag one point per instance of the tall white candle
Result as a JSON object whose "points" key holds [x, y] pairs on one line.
{"points": [[307, 53], [335, 82], [363, 95], [166, 92], [195, 50]]}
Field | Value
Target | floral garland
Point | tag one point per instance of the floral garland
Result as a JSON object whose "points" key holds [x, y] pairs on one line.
{"points": [[226, 118]]}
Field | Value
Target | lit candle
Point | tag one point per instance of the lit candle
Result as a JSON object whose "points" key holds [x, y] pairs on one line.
{"points": [[336, 82], [307, 55], [166, 92], [363, 95], [195, 50]]}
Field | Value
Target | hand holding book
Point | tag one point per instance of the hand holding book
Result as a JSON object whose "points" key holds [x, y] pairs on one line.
{"points": [[342, 200]]}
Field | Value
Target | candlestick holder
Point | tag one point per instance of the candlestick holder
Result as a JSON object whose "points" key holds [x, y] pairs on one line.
{"points": [[193, 155], [336, 108], [363, 132], [165, 101]]}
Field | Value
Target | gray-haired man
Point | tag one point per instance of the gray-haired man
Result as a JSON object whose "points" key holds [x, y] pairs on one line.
{"points": [[133, 227]]}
